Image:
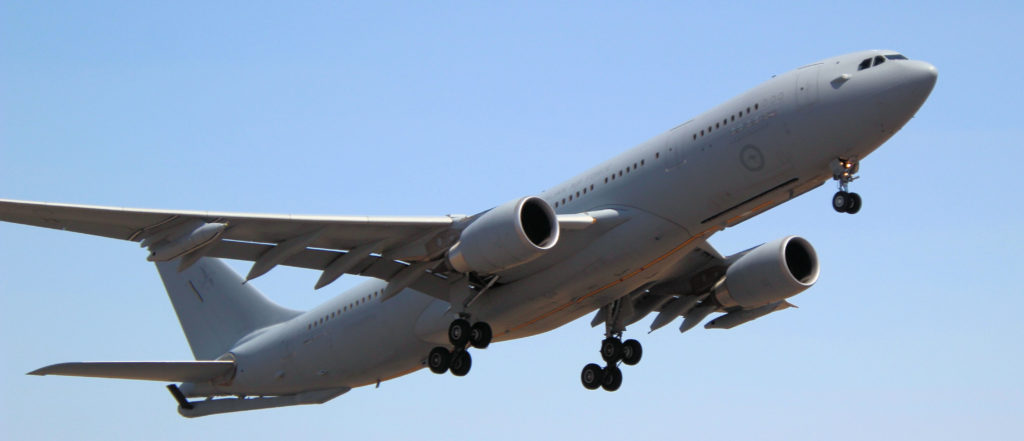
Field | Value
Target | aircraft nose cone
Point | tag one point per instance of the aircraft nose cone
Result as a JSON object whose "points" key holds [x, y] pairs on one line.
{"points": [[922, 77], [911, 87]]}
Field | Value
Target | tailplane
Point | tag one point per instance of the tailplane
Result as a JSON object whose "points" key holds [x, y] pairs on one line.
{"points": [[178, 371], [215, 307]]}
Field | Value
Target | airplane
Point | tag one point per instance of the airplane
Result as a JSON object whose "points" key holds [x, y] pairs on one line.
{"points": [[623, 240]]}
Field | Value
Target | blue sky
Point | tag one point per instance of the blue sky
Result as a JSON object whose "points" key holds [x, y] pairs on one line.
{"points": [[405, 109]]}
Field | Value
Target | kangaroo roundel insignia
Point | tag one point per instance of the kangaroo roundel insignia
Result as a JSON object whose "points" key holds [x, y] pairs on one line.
{"points": [[752, 158]]}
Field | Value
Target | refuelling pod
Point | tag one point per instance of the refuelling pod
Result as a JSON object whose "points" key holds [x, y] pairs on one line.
{"points": [[769, 273], [505, 237], [190, 237]]}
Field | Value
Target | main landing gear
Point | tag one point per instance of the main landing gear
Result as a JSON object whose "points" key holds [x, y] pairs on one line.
{"points": [[613, 351], [461, 335], [845, 171]]}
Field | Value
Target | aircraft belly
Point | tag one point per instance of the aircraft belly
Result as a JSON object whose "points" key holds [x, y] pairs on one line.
{"points": [[380, 344], [610, 267], [375, 344]]}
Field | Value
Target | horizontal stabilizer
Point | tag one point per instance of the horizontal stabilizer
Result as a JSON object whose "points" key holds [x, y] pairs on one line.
{"points": [[174, 371]]}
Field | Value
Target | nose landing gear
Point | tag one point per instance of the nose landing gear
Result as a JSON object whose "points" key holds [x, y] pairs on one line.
{"points": [[845, 171]]}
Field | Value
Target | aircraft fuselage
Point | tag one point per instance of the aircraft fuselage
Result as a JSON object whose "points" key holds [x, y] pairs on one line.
{"points": [[668, 194]]}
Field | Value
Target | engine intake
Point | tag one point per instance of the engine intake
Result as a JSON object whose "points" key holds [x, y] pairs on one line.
{"points": [[505, 237], [771, 272]]}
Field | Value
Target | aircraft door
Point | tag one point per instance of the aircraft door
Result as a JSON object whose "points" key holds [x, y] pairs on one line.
{"points": [[807, 86]]}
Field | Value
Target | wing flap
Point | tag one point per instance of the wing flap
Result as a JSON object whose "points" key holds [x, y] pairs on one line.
{"points": [[172, 371], [371, 266]]}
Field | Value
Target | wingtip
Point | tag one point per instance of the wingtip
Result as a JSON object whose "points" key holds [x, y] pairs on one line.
{"points": [[45, 370]]}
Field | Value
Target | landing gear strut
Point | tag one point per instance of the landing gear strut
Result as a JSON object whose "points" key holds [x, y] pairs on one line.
{"points": [[845, 171], [461, 335], [613, 350]]}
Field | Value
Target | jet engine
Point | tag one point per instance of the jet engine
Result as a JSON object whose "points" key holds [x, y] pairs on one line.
{"points": [[771, 272], [507, 236]]}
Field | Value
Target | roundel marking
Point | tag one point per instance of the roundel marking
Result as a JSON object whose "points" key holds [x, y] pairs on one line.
{"points": [[752, 158]]}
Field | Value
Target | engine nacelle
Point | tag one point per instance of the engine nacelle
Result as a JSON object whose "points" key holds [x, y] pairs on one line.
{"points": [[771, 272], [509, 235]]}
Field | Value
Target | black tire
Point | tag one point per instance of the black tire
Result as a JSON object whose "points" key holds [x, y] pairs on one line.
{"points": [[611, 350], [612, 378], [854, 205], [840, 200], [461, 362], [592, 376], [632, 351], [439, 360], [458, 333], [480, 335]]}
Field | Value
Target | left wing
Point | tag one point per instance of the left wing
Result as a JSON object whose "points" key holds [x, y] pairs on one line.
{"points": [[378, 247], [400, 250], [687, 283]]}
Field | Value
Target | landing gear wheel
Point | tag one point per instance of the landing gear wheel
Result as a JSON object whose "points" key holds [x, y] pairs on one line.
{"points": [[612, 378], [611, 350], [592, 376], [480, 335], [840, 201], [844, 171], [458, 333], [853, 204], [461, 362], [631, 352], [439, 360]]}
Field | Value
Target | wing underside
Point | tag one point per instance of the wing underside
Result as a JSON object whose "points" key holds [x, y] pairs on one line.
{"points": [[378, 247], [400, 250]]}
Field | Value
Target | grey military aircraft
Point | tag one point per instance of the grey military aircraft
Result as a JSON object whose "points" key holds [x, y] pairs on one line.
{"points": [[626, 239]]}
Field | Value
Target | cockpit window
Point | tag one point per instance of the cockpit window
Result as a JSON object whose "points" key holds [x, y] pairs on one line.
{"points": [[878, 59]]}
